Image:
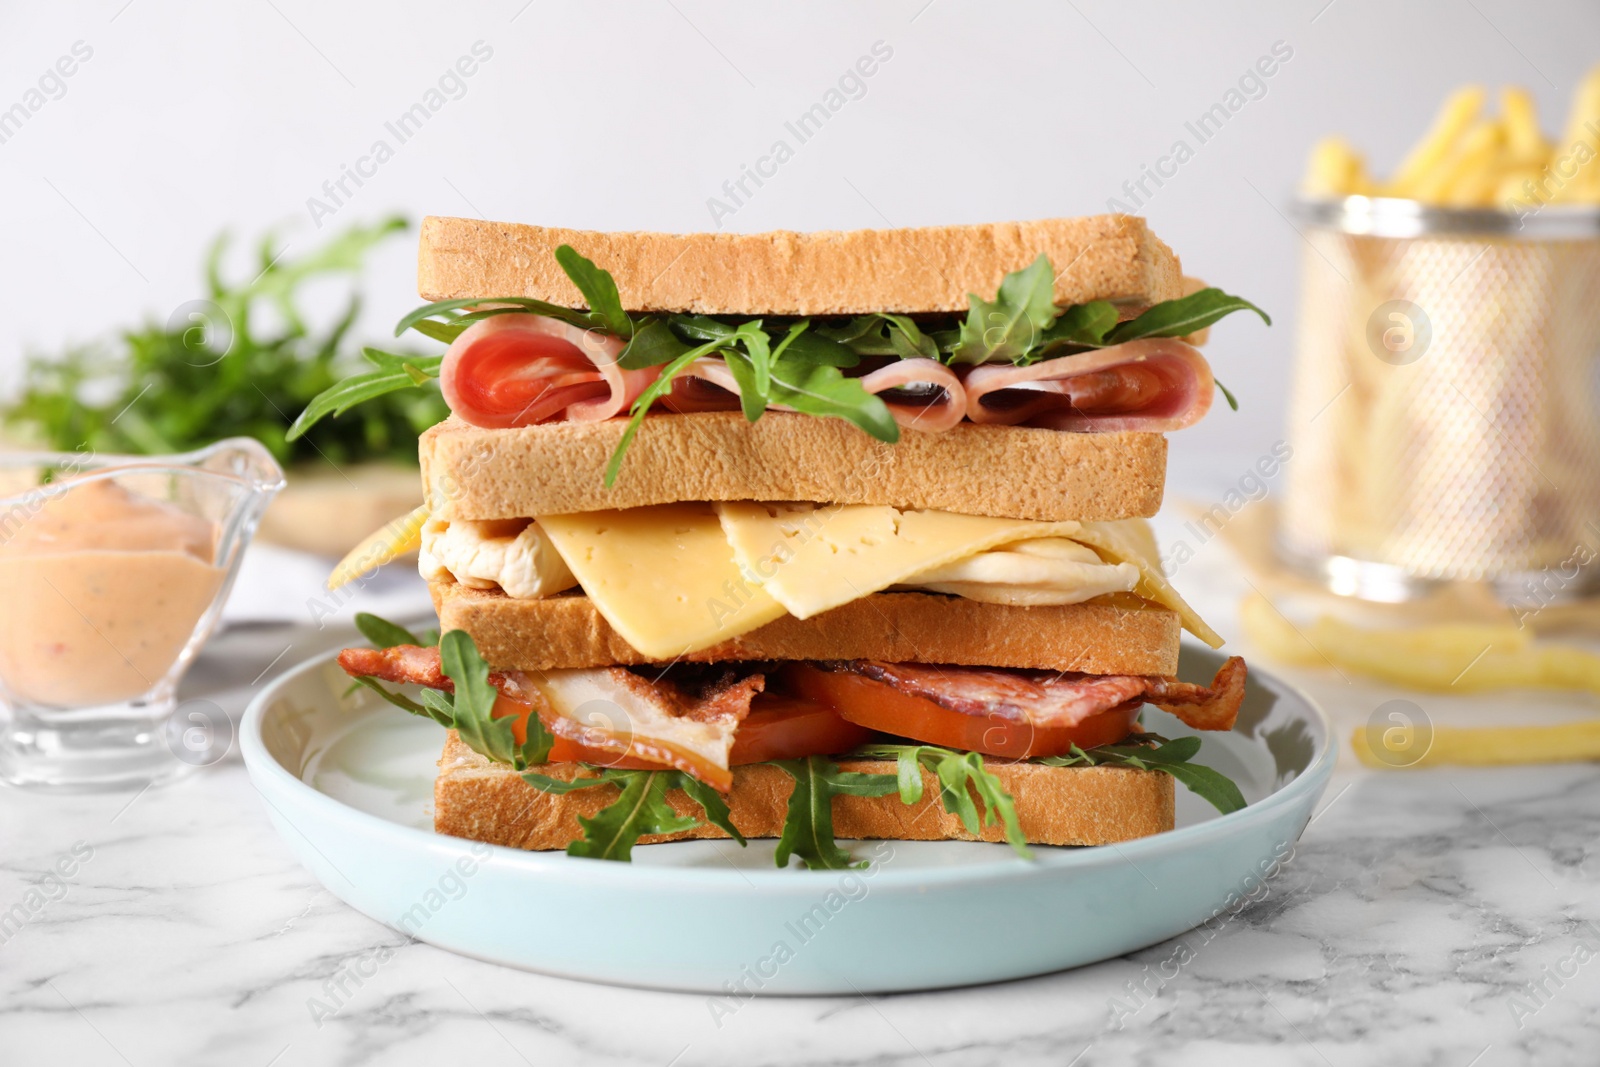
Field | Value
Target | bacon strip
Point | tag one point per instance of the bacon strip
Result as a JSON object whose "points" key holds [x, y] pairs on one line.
{"points": [[686, 727], [921, 394], [518, 370], [1155, 384], [1046, 699], [1213, 707], [413, 665]]}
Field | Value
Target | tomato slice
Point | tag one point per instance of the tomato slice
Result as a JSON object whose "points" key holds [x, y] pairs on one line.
{"points": [[880, 706], [779, 726], [782, 726]]}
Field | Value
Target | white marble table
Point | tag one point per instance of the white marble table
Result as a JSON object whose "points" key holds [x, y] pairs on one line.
{"points": [[175, 927]]}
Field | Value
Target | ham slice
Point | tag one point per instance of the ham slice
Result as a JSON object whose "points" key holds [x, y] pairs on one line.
{"points": [[1155, 384], [517, 370], [1051, 699], [921, 394], [686, 723], [704, 385]]}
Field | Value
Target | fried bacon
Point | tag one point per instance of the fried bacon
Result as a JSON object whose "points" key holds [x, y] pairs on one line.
{"points": [[686, 718], [685, 723], [1051, 699]]}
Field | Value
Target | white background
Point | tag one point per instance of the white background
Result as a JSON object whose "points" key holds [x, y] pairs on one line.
{"points": [[194, 117]]}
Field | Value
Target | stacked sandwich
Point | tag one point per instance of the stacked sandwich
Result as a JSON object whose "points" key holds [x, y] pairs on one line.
{"points": [[807, 536]]}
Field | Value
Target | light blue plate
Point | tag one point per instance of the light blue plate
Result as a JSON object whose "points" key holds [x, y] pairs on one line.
{"points": [[349, 783]]}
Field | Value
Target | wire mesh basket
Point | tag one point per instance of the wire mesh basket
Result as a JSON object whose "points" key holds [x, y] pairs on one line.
{"points": [[1445, 413]]}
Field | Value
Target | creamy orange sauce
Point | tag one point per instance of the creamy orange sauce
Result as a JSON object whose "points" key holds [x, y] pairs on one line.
{"points": [[100, 590]]}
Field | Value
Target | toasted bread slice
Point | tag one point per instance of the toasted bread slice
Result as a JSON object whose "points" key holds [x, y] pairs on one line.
{"points": [[1117, 634], [931, 269], [1009, 471], [484, 801]]}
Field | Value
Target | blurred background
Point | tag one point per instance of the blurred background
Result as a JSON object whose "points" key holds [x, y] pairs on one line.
{"points": [[181, 120]]}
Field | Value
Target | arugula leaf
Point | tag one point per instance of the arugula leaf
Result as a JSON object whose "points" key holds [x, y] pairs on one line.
{"points": [[451, 328], [219, 366], [960, 775], [395, 372], [474, 699], [560, 787], [758, 349], [622, 822], [653, 343], [907, 340], [1183, 316], [611, 833], [814, 389], [598, 288], [811, 347], [711, 802], [1226, 394], [440, 331], [808, 824], [751, 369], [1013, 324], [862, 335], [1172, 757], [1083, 324], [405, 703], [702, 327], [383, 633], [884, 335]]}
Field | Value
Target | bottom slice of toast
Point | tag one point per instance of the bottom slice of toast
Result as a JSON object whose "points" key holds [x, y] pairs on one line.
{"points": [[485, 801]]}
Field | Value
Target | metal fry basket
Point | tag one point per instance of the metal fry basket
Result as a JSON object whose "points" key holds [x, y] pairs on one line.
{"points": [[1445, 413]]}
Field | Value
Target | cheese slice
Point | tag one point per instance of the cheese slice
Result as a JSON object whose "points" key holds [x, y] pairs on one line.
{"points": [[663, 576], [396, 538], [1131, 541], [812, 557], [1045, 572]]}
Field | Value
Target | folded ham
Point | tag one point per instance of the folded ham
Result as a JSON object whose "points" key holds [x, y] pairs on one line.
{"points": [[921, 394], [520, 369], [1052, 699], [704, 385], [1156, 384], [517, 370]]}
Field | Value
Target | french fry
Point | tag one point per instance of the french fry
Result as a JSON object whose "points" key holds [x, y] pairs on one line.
{"points": [[1511, 189], [1469, 160], [1496, 746], [1462, 180], [391, 541], [1443, 658], [1334, 169], [1461, 109], [1582, 132], [1525, 144]]}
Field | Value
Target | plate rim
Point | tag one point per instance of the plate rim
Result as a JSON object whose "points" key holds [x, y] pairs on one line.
{"points": [[264, 769]]}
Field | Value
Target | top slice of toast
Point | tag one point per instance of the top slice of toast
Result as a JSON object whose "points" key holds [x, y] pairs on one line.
{"points": [[909, 271]]}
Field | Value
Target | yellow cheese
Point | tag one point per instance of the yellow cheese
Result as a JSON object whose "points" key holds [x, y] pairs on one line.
{"points": [[815, 557], [662, 576], [395, 539], [1131, 541]]}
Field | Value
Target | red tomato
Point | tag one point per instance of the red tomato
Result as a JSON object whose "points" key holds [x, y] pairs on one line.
{"points": [[880, 706], [778, 727], [791, 727]]}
